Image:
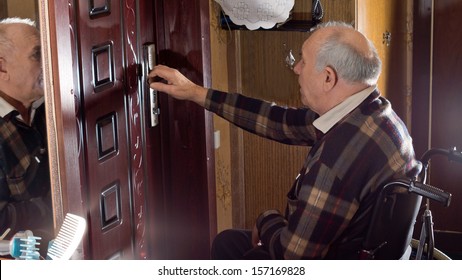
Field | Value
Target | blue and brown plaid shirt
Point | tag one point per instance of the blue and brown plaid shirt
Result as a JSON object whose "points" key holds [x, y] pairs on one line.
{"points": [[25, 200], [326, 206]]}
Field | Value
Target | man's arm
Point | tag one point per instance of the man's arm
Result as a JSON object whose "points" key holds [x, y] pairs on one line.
{"points": [[286, 125]]}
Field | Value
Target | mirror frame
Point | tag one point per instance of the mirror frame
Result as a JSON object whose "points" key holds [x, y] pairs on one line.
{"points": [[51, 106], [58, 55]]}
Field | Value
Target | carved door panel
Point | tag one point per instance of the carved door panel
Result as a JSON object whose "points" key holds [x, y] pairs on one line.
{"points": [[104, 125]]}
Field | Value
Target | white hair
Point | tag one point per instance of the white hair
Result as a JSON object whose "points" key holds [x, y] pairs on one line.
{"points": [[6, 44], [12, 20], [349, 63]]}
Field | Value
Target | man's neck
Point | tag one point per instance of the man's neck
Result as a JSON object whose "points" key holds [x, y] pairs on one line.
{"points": [[342, 92], [19, 106]]}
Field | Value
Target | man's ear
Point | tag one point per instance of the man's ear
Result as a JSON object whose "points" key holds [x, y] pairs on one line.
{"points": [[331, 78], [3, 72]]}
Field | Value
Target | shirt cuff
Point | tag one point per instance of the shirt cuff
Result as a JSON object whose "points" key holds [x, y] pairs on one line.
{"points": [[208, 99]]}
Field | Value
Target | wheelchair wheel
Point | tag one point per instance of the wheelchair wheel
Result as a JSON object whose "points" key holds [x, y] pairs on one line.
{"points": [[437, 254]]}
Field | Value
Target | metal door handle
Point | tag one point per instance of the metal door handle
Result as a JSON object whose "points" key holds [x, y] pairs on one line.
{"points": [[149, 53]]}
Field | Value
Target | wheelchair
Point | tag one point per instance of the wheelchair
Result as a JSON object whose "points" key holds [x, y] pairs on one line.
{"points": [[389, 236]]}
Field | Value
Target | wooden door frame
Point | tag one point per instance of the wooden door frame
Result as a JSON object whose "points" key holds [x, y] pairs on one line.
{"points": [[421, 75]]}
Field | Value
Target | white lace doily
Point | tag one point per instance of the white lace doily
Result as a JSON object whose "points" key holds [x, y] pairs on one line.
{"points": [[257, 13]]}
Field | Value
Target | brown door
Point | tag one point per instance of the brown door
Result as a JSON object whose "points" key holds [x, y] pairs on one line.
{"points": [[147, 192], [437, 103], [108, 86], [183, 220]]}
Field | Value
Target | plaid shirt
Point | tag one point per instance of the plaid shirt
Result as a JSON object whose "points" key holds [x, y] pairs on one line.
{"points": [[329, 204], [25, 201]]}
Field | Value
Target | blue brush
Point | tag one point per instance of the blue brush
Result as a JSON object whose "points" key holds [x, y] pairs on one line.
{"points": [[28, 248], [23, 245]]}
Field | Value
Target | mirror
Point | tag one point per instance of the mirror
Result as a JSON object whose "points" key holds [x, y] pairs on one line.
{"points": [[24, 180]]}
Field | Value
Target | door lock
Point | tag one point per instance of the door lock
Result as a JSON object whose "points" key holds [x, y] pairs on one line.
{"points": [[149, 52]]}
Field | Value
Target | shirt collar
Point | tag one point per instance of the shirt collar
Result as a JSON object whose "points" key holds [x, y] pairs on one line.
{"points": [[6, 108], [37, 103], [325, 122]]}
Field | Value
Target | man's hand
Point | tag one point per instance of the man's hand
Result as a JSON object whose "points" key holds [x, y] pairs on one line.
{"points": [[177, 86]]}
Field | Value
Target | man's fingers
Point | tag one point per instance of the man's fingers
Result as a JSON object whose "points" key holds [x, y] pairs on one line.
{"points": [[162, 71], [159, 86]]}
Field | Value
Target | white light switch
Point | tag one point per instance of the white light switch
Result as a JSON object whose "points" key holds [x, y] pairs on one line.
{"points": [[216, 139]]}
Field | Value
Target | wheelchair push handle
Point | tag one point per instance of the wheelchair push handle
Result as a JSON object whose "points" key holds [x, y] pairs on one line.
{"points": [[452, 155], [431, 192], [428, 191], [455, 155]]}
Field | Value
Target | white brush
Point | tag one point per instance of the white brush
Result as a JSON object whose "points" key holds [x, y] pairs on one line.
{"points": [[69, 237]]}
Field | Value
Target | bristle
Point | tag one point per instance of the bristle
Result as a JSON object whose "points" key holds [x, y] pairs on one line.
{"points": [[68, 238], [28, 250]]}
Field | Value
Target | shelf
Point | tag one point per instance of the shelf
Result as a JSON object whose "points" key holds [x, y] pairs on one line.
{"points": [[290, 25]]}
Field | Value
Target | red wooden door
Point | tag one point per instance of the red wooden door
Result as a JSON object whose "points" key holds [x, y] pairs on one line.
{"points": [[147, 192], [107, 88], [446, 129], [184, 212], [436, 108]]}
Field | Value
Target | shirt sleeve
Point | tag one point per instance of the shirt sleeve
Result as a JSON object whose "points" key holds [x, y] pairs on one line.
{"points": [[293, 126]]}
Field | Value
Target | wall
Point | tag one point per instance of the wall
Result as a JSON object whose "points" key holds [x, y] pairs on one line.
{"points": [[221, 41], [23, 8], [3, 9], [376, 19]]}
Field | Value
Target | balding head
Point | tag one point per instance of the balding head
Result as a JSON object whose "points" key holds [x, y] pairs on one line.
{"points": [[348, 52], [337, 61], [20, 62], [8, 28]]}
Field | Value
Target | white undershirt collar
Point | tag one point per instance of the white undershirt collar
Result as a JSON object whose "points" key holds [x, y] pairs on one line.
{"points": [[325, 122], [6, 108]]}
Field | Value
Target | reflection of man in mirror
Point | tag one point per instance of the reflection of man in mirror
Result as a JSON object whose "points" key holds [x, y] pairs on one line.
{"points": [[25, 201]]}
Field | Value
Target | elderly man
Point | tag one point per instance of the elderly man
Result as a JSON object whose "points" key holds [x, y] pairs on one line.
{"points": [[25, 202], [358, 143]]}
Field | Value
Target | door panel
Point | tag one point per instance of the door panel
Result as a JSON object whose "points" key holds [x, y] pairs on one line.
{"points": [[446, 130], [106, 152], [187, 220], [436, 108]]}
